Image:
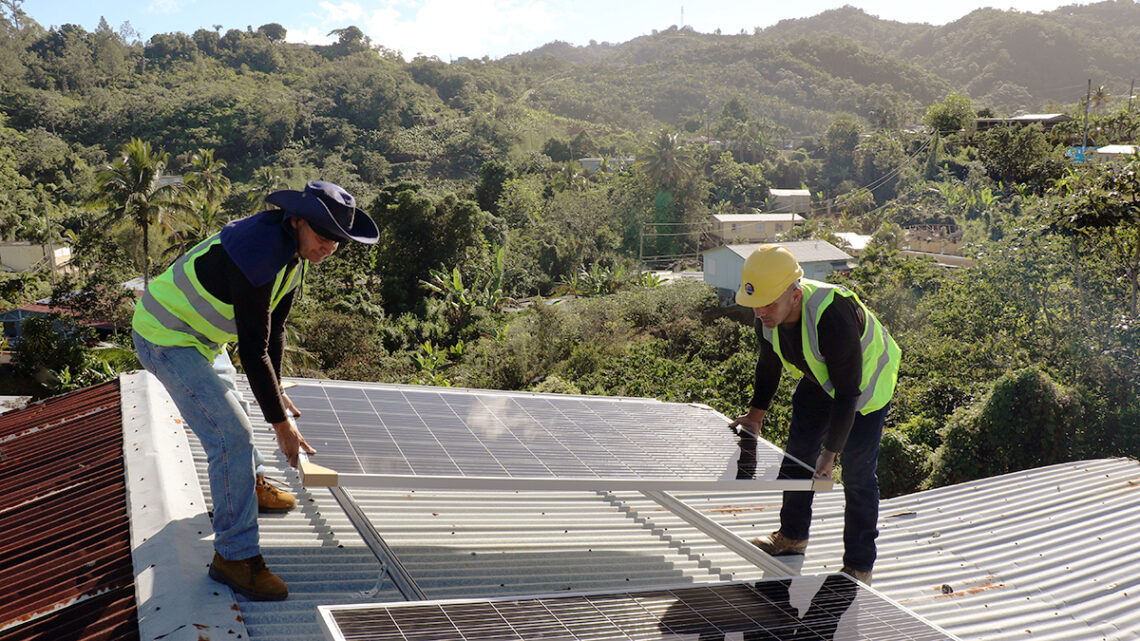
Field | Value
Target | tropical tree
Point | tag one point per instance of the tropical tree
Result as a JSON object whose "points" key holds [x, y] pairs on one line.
{"points": [[1100, 98], [1102, 206], [133, 190], [952, 115], [265, 180], [206, 176], [207, 189], [664, 161]]}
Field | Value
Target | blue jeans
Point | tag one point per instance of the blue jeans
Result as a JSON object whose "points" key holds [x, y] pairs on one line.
{"points": [[860, 456], [205, 395]]}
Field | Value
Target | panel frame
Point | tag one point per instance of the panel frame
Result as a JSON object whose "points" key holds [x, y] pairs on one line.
{"points": [[332, 632], [314, 474]]}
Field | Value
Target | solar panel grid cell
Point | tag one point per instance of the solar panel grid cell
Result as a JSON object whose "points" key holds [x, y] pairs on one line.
{"points": [[382, 436], [801, 609]]}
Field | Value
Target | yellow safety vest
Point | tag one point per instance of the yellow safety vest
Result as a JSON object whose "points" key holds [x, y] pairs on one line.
{"points": [[881, 355], [176, 310]]}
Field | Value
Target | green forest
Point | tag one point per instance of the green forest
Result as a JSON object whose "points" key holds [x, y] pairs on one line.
{"points": [[506, 262]]}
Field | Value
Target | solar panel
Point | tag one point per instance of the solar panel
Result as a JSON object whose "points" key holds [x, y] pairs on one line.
{"points": [[404, 436], [832, 607]]}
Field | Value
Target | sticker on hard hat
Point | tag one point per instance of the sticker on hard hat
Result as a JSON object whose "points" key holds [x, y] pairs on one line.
{"points": [[748, 288]]}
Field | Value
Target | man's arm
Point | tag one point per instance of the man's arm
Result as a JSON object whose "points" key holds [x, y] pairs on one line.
{"points": [[255, 326], [765, 383], [253, 318], [840, 329]]}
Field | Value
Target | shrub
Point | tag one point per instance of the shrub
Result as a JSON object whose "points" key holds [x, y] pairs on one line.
{"points": [[51, 343], [903, 464], [334, 338], [1026, 420]]}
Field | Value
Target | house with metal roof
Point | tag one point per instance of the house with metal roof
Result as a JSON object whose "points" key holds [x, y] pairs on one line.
{"points": [[1050, 553], [752, 228], [1109, 153], [818, 258], [1047, 121], [795, 201]]}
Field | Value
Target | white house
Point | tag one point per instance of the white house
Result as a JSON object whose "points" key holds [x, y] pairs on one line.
{"points": [[796, 201], [1113, 152], [752, 228], [817, 257], [857, 242], [21, 256], [617, 163]]}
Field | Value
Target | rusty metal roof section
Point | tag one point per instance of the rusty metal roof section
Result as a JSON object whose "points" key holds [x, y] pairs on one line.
{"points": [[64, 529]]}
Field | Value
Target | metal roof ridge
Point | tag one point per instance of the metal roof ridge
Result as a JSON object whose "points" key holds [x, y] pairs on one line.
{"points": [[171, 534]]}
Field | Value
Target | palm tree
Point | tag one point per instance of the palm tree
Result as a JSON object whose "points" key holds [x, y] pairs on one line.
{"points": [[132, 188], [265, 180], [207, 178], [664, 161], [202, 219], [1100, 98]]}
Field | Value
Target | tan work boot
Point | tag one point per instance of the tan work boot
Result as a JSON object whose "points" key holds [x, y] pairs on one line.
{"points": [[862, 577], [272, 499], [776, 544], [249, 577]]}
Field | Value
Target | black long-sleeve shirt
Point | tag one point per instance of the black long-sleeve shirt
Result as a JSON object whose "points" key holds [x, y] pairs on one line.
{"points": [[840, 327], [260, 331]]}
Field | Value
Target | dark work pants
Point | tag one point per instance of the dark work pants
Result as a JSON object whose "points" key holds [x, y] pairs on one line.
{"points": [[810, 409]]}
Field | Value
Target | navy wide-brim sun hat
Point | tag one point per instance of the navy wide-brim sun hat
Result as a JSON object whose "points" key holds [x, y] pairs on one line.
{"points": [[329, 207]]}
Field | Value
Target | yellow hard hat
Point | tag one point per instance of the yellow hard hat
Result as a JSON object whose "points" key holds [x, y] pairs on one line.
{"points": [[767, 273]]}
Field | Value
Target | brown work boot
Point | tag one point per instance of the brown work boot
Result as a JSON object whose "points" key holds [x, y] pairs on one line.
{"points": [[776, 544], [862, 577], [249, 577], [272, 499]]}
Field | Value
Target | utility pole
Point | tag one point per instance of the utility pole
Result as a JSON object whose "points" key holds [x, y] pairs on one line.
{"points": [[1088, 98], [1131, 94]]}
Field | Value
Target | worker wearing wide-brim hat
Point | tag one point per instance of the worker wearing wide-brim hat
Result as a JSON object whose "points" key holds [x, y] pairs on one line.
{"points": [[239, 285], [849, 366]]}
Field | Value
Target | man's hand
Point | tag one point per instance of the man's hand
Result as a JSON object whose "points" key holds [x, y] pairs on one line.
{"points": [[289, 406], [290, 441], [750, 422], [824, 464]]}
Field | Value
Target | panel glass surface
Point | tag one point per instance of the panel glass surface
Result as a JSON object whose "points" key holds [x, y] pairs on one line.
{"points": [[814, 608], [411, 431]]}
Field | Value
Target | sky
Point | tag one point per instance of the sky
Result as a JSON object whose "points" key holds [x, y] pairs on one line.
{"points": [[449, 29]]}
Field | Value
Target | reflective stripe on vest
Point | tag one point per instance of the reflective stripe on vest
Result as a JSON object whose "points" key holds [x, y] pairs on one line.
{"points": [[176, 310], [881, 354]]}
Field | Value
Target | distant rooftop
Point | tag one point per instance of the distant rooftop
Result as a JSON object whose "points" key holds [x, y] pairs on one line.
{"points": [[805, 251], [758, 218]]}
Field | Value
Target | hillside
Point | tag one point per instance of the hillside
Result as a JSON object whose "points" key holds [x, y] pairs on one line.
{"points": [[1003, 59], [679, 73]]}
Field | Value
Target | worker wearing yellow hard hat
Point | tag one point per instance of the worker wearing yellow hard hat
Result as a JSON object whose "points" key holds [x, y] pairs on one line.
{"points": [[848, 366]]}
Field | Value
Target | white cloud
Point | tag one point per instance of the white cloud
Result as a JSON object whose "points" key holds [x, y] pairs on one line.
{"points": [[163, 6], [309, 35], [344, 12], [446, 29]]}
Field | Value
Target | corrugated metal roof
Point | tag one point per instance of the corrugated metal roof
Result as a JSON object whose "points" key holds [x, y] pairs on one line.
{"points": [[64, 537], [757, 218], [1051, 553], [1047, 554], [805, 251]]}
